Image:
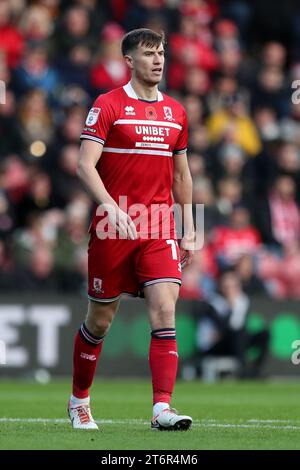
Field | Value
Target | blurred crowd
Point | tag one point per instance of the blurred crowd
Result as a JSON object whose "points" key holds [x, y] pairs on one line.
{"points": [[231, 63]]}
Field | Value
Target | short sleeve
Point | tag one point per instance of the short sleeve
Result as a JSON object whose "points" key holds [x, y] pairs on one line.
{"points": [[182, 141], [99, 121]]}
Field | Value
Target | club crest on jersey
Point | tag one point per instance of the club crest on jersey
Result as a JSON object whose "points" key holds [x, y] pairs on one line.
{"points": [[129, 111], [150, 112], [92, 116], [98, 285], [168, 113]]}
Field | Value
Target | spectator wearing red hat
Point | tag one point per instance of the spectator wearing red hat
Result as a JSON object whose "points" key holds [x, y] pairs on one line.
{"points": [[227, 35], [204, 11]]}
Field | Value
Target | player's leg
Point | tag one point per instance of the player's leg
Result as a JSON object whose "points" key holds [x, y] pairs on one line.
{"points": [[87, 349], [163, 356], [88, 344], [110, 274]]}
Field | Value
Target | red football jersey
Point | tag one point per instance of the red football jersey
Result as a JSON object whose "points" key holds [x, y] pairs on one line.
{"points": [[139, 139]]}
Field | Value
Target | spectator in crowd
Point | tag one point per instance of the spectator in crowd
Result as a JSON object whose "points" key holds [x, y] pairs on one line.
{"points": [[224, 318], [35, 121], [270, 90], [239, 238], [247, 272], [64, 175], [266, 121], [199, 142], [5, 72], [199, 278], [36, 24], [187, 49], [224, 87], [274, 54], [232, 160], [196, 82], [31, 235], [287, 163], [290, 271], [280, 273], [71, 244], [229, 48], [7, 266], [38, 273], [15, 178], [38, 198], [141, 11], [203, 193], [195, 110], [11, 140], [226, 35], [233, 124], [196, 164], [278, 216], [7, 216], [110, 70], [229, 193], [11, 38], [74, 29], [35, 72], [290, 125], [67, 132], [74, 69], [241, 13]]}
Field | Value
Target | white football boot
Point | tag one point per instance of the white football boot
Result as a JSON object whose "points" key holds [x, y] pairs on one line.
{"points": [[170, 420], [81, 416]]}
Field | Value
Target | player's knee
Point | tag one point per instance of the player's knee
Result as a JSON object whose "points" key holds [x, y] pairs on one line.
{"points": [[99, 326], [164, 315], [98, 321]]}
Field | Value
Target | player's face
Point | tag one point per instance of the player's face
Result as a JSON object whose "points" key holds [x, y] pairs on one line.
{"points": [[148, 64]]}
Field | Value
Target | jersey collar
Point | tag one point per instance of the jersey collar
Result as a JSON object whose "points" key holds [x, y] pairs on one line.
{"points": [[132, 94]]}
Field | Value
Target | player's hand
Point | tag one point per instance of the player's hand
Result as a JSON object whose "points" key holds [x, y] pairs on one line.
{"points": [[187, 248], [121, 222]]}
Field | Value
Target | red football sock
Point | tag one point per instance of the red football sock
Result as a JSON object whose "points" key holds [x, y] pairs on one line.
{"points": [[163, 359], [87, 349]]}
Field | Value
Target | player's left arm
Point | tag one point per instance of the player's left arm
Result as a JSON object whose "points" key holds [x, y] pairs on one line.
{"points": [[182, 189]]}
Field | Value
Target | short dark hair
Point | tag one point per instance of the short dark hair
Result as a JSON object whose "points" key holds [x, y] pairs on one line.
{"points": [[142, 36]]}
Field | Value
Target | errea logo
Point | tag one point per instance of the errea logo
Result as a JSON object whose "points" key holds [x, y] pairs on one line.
{"points": [[89, 357], [129, 111]]}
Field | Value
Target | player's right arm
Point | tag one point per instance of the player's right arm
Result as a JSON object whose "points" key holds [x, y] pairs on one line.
{"points": [[97, 127], [89, 155]]}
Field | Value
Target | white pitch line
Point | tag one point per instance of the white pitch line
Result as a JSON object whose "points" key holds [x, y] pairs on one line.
{"points": [[295, 422], [211, 423], [247, 426], [274, 421]]}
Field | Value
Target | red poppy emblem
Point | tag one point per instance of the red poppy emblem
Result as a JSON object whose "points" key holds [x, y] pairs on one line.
{"points": [[150, 112]]}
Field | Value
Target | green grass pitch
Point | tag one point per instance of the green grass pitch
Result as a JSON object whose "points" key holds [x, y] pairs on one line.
{"points": [[227, 415]]}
